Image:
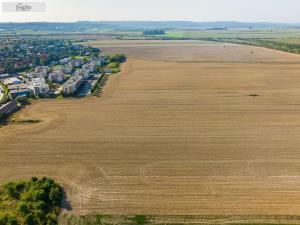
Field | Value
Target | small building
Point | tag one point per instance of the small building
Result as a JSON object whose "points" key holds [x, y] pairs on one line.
{"points": [[11, 80], [18, 90], [8, 107]]}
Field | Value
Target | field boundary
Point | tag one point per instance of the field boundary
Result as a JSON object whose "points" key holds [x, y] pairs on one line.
{"points": [[97, 219]]}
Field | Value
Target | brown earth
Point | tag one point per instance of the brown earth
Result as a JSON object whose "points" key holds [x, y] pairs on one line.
{"points": [[170, 138]]}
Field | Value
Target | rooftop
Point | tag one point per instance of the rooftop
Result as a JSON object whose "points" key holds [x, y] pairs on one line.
{"points": [[72, 80]]}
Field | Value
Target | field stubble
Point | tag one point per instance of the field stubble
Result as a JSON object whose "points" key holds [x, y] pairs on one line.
{"points": [[171, 138]]}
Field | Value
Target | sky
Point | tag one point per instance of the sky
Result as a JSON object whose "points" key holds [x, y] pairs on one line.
{"points": [[286, 11]]}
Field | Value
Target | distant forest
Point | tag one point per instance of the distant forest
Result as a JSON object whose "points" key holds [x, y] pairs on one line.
{"points": [[154, 32]]}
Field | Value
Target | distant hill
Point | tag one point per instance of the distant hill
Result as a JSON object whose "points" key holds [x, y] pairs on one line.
{"points": [[140, 25]]}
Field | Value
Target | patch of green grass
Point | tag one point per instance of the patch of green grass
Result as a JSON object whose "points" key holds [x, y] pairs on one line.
{"points": [[175, 34], [113, 65], [115, 70], [59, 97], [139, 220], [239, 33]]}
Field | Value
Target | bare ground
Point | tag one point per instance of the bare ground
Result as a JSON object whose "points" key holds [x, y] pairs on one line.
{"points": [[170, 138]]}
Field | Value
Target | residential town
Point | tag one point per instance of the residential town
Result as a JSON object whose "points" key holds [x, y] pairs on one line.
{"points": [[75, 75], [17, 55], [64, 77]]}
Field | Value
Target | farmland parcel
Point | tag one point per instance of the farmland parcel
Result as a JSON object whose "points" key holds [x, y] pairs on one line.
{"points": [[182, 130]]}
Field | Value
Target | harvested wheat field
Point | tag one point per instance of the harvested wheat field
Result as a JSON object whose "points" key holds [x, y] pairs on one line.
{"points": [[172, 138], [193, 51]]}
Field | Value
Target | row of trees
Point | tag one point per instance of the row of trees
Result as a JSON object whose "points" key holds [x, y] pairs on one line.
{"points": [[112, 63], [278, 45], [154, 32]]}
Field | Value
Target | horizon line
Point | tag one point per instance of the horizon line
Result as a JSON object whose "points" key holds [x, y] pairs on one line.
{"points": [[192, 21]]}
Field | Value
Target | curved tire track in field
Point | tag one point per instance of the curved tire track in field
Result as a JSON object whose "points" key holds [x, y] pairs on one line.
{"points": [[81, 188]]}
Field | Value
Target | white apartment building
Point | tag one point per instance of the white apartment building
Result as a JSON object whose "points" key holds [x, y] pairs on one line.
{"points": [[38, 86], [70, 86]]}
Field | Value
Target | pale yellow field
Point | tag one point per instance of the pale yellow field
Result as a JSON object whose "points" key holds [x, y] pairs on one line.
{"points": [[193, 51], [171, 138]]}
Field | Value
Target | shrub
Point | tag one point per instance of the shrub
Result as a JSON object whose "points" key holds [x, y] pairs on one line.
{"points": [[34, 179], [140, 219]]}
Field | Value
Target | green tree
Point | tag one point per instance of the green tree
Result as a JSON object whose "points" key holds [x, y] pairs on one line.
{"points": [[23, 208], [12, 221], [40, 205], [29, 220], [3, 220], [118, 58], [11, 190], [50, 84], [55, 195], [38, 195]]}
